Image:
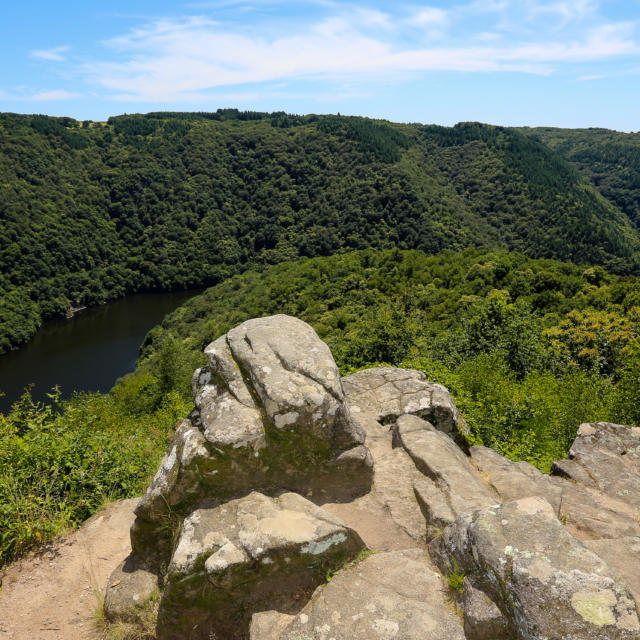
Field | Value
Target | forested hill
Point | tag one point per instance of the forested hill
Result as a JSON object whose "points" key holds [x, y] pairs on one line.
{"points": [[93, 211], [610, 160]]}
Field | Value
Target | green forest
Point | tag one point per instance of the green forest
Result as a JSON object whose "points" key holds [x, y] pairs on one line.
{"points": [[502, 263], [93, 211], [609, 160], [530, 348]]}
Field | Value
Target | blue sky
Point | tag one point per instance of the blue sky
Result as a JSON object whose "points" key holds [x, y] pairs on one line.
{"points": [[571, 63]]}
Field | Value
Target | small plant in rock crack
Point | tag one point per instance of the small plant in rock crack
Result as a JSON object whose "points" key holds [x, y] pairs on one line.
{"points": [[455, 578]]}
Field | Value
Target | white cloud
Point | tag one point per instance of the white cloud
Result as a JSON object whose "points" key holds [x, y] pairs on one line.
{"points": [[567, 10], [57, 94], [429, 17], [374, 18], [432, 21], [177, 60], [53, 55], [488, 36]]}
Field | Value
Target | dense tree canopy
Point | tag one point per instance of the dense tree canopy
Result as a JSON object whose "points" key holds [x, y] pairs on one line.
{"points": [[530, 348], [610, 160], [93, 211], [420, 246]]}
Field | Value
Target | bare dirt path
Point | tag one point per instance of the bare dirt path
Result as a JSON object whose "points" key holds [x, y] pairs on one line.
{"points": [[54, 594]]}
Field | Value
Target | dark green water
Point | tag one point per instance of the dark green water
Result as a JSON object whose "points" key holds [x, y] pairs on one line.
{"points": [[88, 352]]}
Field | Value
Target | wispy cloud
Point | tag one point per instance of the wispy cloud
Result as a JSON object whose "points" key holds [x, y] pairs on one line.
{"points": [[56, 94], [431, 20], [592, 77], [54, 55], [176, 59], [429, 17], [374, 18], [567, 10]]}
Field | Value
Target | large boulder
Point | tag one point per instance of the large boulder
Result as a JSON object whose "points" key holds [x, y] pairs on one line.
{"points": [[388, 392], [246, 555], [270, 414], [394, 595], [609, 455], [600, 482], [543, 580]]}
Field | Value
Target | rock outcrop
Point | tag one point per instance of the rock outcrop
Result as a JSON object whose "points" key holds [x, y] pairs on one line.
{"points": [[270, 415], [242, 556], [386, 393], [284, 472], [389, 595], [543, 580], [515, 480], [451, 485], [609, 455]]}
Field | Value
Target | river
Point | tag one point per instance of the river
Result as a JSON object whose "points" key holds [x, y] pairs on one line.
{"points": [[87, 352]]}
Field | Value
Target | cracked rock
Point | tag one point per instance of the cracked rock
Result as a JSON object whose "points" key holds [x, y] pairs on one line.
{"points": [[543, 580], [388, 392], [270, 415], [242, 556], [393, 595]]}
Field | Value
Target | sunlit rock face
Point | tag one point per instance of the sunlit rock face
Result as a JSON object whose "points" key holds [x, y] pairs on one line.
{"points": [[544, 581], [270, 414], [244, 555]]}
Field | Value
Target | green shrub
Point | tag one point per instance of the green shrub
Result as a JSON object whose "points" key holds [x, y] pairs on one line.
{"points": [[61, 462]]}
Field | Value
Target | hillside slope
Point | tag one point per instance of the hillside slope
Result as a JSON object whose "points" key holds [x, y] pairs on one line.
{"points": [[93, 211], [610, 160]]}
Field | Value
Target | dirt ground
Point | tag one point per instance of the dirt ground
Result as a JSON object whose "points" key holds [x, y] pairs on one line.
{"points": [[54, 594]]}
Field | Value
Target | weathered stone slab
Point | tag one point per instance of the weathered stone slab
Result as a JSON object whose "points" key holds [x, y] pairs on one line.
{"points": [[590, 514], [571, 470], [544, 581], [240, 556], [395, 479], [513, 481], [388, 392], [610, 455], [437, 456], [438, 513], [395, 595]]}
